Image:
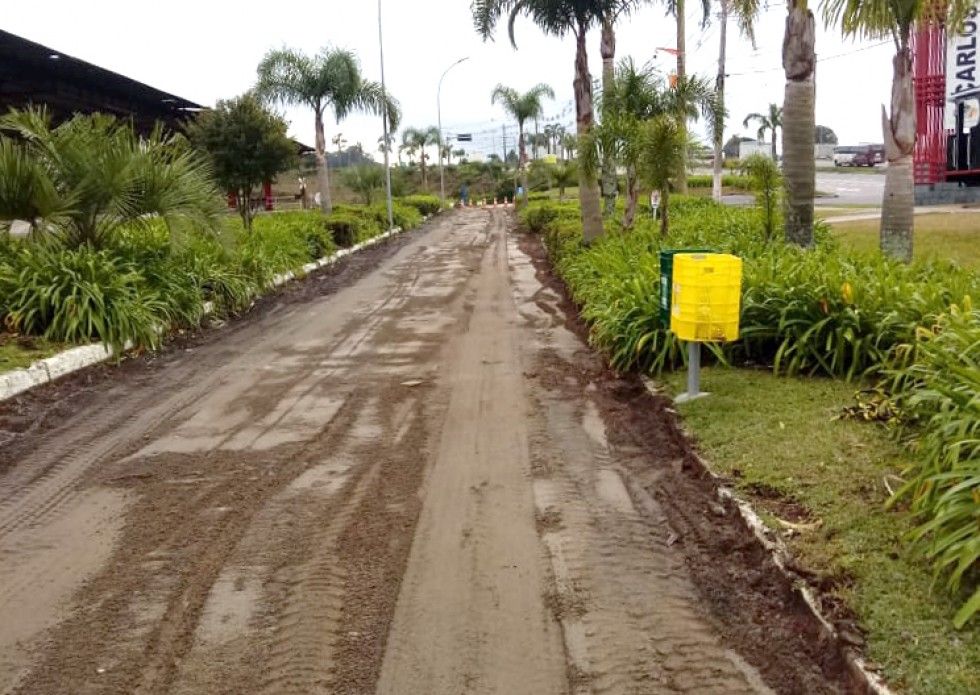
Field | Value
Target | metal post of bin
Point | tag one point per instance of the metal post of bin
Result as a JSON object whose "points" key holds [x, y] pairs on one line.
{"points": [[693, 374]]}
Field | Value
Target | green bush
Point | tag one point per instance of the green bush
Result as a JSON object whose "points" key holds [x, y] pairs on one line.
{"points": [[537, 216], [80, 295], [939, 396], [349, 228], [727, 181], [405, 216], [309, 225], [269, 250], [425, 204]]}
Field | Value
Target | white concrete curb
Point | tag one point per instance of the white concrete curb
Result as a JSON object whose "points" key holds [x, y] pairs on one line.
{"points": [[18, 381], [872, 682]]}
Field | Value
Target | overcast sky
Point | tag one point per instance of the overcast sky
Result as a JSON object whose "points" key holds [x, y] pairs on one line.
{"points": [[205, 51]]}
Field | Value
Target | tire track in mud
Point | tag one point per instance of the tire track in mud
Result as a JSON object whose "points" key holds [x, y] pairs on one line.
{"points": [[265, 538]]}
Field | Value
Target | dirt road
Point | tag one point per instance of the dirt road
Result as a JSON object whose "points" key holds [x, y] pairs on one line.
{"points": [[408, 475]]}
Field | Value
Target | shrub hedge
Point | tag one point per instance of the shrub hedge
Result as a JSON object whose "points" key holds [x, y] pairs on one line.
{"points": [[146, 280]]}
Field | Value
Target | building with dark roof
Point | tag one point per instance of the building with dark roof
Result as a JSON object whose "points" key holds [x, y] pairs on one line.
{"points": [[31, 73]]}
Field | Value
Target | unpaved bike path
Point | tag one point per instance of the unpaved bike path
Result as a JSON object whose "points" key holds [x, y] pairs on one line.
{"points": [[404, 486]]}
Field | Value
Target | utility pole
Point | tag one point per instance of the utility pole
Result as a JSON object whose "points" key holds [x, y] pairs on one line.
{"points": [[384, 121], [441, 143]]}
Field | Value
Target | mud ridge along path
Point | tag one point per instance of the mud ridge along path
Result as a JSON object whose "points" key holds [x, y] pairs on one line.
{"points": [[406, 476]]}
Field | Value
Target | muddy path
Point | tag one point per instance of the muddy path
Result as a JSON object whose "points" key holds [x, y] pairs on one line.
{"points": [[409, 475]]}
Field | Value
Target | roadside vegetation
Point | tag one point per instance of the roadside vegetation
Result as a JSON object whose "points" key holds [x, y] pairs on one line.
{"points": [[830, 322], [130, 237]]}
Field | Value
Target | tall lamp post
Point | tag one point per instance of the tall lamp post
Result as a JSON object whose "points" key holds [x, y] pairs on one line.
{"points": [[384, 121], [442, 172]]}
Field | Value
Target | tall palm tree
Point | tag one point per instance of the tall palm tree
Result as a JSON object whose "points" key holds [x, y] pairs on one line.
{"points": [[678, 9], [416, 140], [607, 49], [896, 18], [559, 18], [746, 12], [770, 121], [331, 78], [522, 107], [799, 131]]}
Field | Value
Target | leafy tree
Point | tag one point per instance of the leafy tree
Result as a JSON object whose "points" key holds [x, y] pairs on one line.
{"points": [[93, 175], [559, 18], [824, 136], [246, 144], [365, 180], [877, 19], [415, 140], [746, 13], [330, 79], [662, 148], [770, 121], [522, 107]]}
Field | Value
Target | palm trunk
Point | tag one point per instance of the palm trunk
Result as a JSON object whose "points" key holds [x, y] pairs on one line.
{"points": [[588, 190], [775, 155], [664, 214], [679, 8], [897, 208], [632, 197], [322, 175], [608, 51], [522, 160], [422, 162], [719, 134], [799, 167]]}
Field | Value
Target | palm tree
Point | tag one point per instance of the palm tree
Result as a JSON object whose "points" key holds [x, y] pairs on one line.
{"points": [[746, 12], [416, 140], [799, 61], [896, 18], [564, 175], [559, 18], [91, 176], [331, 78], [769, 122], [365, 179], [678, 8], [635, 95], [607, 49], [663, 144], [522, 107]]}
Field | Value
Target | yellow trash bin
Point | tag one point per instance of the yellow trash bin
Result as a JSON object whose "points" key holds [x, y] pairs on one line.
{"points": [[707, 297]]}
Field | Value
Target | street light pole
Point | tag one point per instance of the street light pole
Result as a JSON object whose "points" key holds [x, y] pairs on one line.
{"points": [[442, 172], [384, 121]]}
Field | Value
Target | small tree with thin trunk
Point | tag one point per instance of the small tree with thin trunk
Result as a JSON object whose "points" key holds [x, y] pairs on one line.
{"points": [[330, 79], [663, 146], [247, 146], [415, 140]]}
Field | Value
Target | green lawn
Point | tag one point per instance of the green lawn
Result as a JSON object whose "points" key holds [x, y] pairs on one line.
{"points": [[954, 236], [778, 440], [21, 351]]}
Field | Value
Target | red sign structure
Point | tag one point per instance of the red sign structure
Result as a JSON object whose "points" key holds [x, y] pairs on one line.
{"points": [[929, 77]]}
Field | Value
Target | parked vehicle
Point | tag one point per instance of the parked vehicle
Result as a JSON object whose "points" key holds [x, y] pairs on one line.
{"points": [[843, 154], [858, 155]]}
